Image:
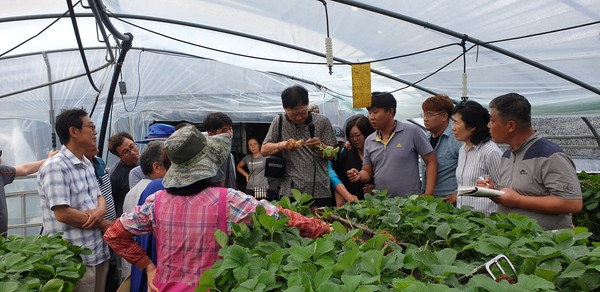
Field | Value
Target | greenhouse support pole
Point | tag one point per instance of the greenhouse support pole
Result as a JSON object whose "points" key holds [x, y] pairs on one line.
{"points": [[125, 46], [51, 98], [592, 128]]}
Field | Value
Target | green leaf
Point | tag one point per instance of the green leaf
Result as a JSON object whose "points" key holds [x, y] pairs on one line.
{"points": [[276, 257], [9, 286], [222, 238], [53, 285], [371, 262], [207, 281], [443, 230], [69, 275], [13, 259], [533, 283], [575, 269], [339, 228], [20, 267], [351, 282], [322, 247], [322, 277]]}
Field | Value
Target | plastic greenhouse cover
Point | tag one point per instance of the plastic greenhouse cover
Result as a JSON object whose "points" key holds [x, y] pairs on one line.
{"points": [[243, 75]]}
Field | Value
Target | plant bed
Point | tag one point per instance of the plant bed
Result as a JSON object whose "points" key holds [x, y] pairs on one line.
{"points": [[39, 263], [442, 245]]}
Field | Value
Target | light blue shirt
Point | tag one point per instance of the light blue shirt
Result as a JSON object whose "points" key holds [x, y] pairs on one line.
{"points": [[446, 153]]}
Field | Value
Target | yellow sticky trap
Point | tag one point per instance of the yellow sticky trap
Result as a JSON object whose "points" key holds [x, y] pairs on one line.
{"points": [[361, 85]]}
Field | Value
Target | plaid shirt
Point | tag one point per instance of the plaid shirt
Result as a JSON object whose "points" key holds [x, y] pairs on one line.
{"points": [[187, 251], [66, 180]]}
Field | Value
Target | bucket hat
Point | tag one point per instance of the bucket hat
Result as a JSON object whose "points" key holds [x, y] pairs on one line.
{"points": [[194, 156]]}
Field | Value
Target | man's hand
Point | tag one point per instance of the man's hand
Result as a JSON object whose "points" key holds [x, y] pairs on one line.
{"points": [[289, 145], [52, 153], [151, 273], [510, 199], [451, 198], [353, 175], [314, 143], [95, 219], [368, 188]]}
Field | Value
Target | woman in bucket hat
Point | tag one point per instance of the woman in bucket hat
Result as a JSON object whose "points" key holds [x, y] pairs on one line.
{"points": [[185, 215]]}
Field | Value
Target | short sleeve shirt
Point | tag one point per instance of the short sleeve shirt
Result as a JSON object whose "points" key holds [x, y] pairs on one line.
{"points": [[307, 170], [66, 180], [446, 154], [7, 175], [480, 160], [256, 169], [540, 168], [395, 165]]}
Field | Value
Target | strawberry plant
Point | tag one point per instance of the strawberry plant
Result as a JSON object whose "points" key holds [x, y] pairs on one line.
{"points": [[590, 215], [415, 244], [39, 263]]}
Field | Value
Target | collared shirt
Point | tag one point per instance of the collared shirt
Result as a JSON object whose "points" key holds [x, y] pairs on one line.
{"points": [[66, 180], [480, 160], [540, 168], [446, 154], [198, 214], [307, 170], [395, 166]]}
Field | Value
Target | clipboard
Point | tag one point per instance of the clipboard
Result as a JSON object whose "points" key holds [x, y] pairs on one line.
{"points": [[475, 191]]}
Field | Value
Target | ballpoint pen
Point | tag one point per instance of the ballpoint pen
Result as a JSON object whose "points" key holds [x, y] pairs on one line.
{"points": [[487, 184]]}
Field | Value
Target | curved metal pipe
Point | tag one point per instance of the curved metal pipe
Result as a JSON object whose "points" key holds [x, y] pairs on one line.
{"points": [[470, 39], [101, 9], [111, 92], [101, 28], [592, 128]]}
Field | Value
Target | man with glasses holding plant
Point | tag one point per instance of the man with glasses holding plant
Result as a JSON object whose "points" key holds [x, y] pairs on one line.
{"points": [[304, 137], [7, 176], [123, 146]]}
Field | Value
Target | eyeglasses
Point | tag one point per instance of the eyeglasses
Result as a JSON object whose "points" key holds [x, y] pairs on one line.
{"points": [[129, 150], [300, 113], [428, 115], [91, 126]]}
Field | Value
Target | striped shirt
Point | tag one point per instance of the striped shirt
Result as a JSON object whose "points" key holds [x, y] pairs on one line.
{"points": [[66, 180], [104, 183], [480, 160]]}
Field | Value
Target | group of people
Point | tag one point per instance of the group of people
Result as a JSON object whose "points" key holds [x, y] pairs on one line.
{"points": [[159, 210], [459, 149]]}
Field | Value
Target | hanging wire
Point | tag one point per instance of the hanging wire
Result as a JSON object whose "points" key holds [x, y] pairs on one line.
{"points": [[328, 44], [464, 96], [80, 45]]}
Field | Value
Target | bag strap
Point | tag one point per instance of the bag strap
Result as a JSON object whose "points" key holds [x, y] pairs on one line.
{"points": [[279, 136], [222, 216]]}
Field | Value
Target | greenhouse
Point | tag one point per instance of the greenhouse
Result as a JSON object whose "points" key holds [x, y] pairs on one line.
{"points": [[131, 64]]}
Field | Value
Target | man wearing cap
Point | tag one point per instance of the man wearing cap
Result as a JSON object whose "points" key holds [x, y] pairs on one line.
{"points": [[304, 137], [7, 175], [156, 132], [391, 152], [185, 216]]}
